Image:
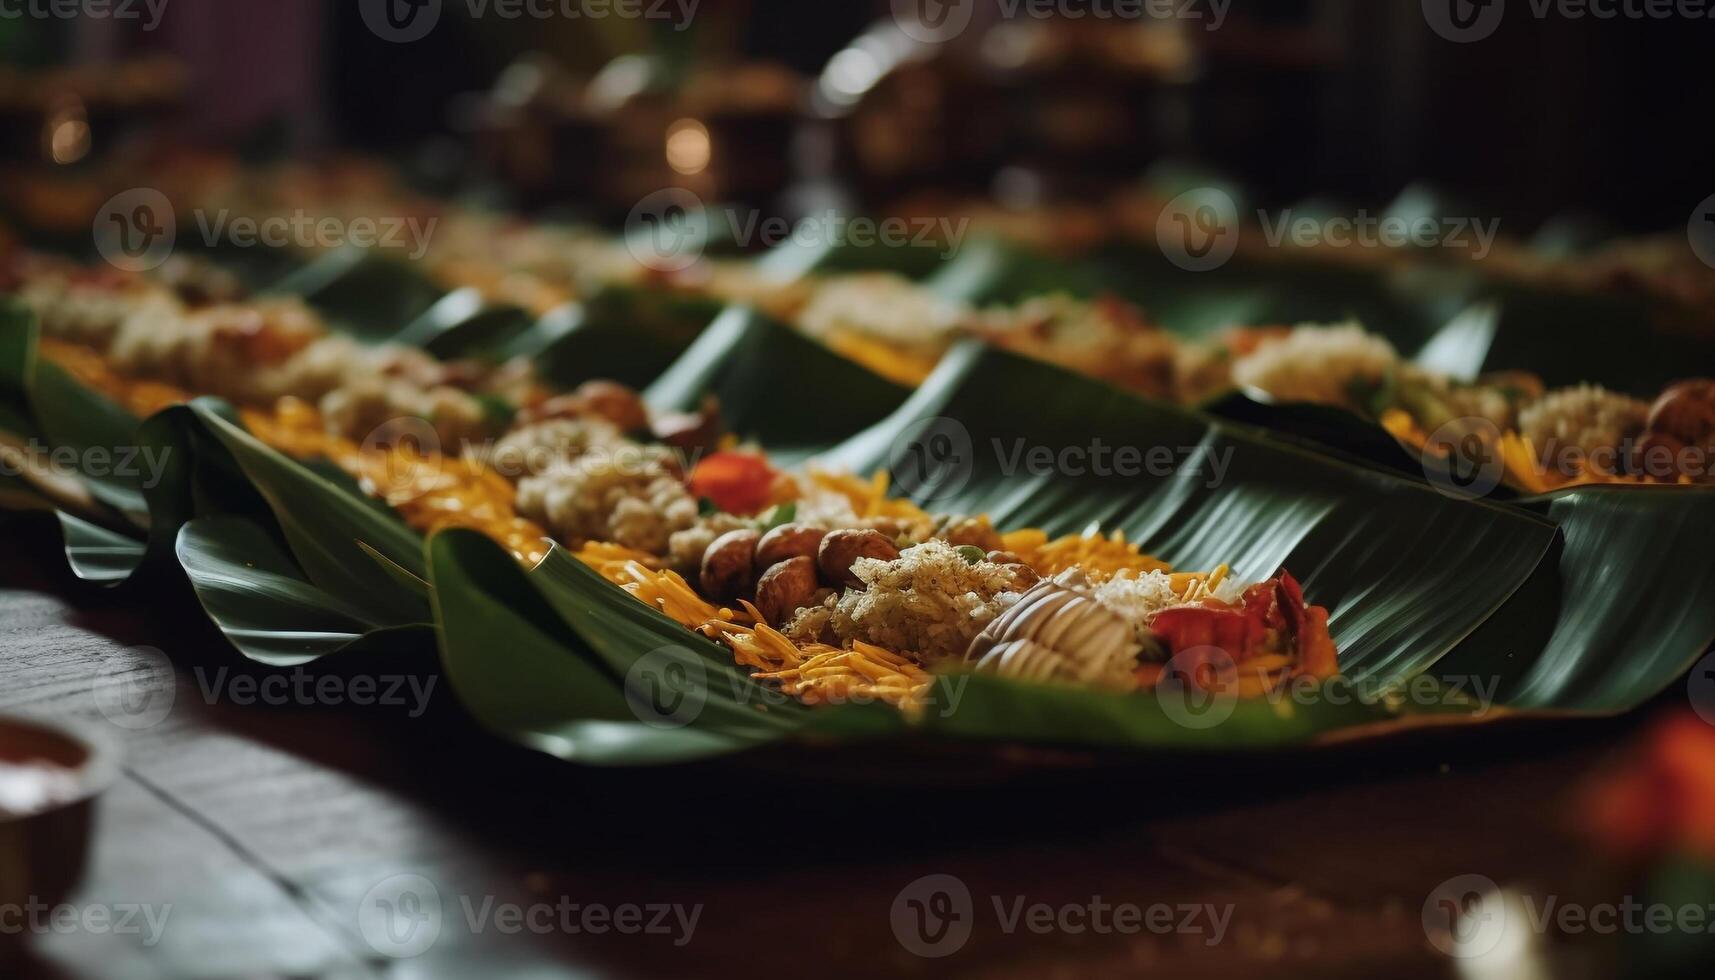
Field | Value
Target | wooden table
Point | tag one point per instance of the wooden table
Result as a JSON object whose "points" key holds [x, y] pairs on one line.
{"points": [[265, 828]]}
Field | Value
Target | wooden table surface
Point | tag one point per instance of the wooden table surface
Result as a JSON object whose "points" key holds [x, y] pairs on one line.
{"points": [[267, 830]]}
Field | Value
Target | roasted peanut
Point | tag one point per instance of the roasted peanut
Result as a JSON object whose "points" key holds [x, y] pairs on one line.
{"points": [[786, 588], [841, 548], [1686, 411], [728, 565], [788, 541], [616, 403]]}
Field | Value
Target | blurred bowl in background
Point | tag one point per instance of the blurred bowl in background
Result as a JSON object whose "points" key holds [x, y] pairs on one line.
{"points": [[50, 776]]}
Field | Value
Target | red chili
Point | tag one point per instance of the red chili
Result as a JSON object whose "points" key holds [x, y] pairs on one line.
{"points": [[738, 483]]}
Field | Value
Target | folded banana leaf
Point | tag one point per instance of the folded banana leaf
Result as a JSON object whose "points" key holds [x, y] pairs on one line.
{"points": [[744, 354], [370, 296]]}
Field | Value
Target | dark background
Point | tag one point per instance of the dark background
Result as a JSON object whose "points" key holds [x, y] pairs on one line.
{"points": [[1351, 98]]}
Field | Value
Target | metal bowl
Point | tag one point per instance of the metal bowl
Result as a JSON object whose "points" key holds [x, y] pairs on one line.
{"points": [[52, 773]]}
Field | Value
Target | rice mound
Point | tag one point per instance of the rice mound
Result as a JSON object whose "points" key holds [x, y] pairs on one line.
{"points": [[929, 603], [1316, 363]]}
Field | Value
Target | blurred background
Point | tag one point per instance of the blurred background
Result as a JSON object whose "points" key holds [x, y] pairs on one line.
{"points": [[779, 103]]}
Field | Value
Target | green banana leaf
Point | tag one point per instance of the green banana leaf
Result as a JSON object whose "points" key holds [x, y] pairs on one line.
{"points": [[504, 653], [253, 589], [745, 353], [370, 296], [1616, 614]]}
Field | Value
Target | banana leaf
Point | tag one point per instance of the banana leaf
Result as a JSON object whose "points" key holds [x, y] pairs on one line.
{"points": [[744, 353], [1616, 614], [618, 334], [504, 652], [463, 325], [1624, 342], [254, 590], [370, 296]]}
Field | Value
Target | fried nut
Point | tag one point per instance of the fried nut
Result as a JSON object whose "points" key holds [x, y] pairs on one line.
{"points": [[794, 540], [1686, 411], [786, 588], [616, 403], [728, 565], [841, 549]]}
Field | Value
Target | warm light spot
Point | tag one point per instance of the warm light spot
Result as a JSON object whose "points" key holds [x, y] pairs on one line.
{"points": [[67, 133], [688, 147]]}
